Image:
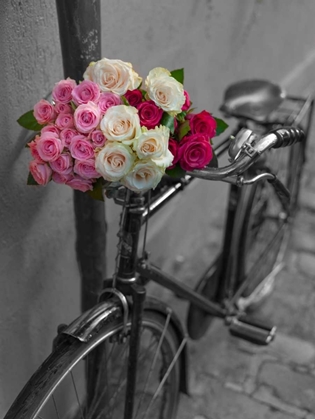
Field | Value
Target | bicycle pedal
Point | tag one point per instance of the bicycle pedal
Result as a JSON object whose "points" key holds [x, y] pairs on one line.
{"points": [[252, 330]]}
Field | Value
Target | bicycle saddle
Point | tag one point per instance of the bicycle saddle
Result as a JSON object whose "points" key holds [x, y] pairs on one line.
{"points": [[254, 99]]}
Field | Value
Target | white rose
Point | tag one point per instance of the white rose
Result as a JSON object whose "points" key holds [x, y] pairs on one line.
{"points": [[165, 91], [121, 123], [114, 161], [164, 161], [143, 176], [152, 143], [113, 75]]}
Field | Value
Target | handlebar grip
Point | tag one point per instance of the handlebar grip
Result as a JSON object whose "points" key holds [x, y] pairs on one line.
{"points": [[287, 136]]}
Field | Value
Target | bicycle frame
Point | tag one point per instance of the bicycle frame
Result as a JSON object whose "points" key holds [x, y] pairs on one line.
{"points": [[133, 271]]}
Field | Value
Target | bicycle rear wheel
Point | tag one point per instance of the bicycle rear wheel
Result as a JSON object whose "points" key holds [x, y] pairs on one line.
{"points": [[263, 228], [59, 388]]}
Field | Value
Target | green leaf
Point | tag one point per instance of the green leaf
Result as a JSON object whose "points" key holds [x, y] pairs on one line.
{"points": [[73, 105], [183, 129], [97, 192], [31, 180], [29, 122], [168, 121], [214, 162], [190, 109], [144, 93], [124, 99], [176, 172], [181, 117], [178, 75], [221, 126]]}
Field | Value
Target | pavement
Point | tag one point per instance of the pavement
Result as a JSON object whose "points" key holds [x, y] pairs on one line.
{"points": [[231, 378]]}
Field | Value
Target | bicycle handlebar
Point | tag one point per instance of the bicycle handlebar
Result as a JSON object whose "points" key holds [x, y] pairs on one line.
{"points": [[250, 152], [288, 136]]}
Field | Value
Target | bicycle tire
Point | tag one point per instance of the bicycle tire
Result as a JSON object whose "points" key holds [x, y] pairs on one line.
{"points": [[262, 233], [47, 386]]}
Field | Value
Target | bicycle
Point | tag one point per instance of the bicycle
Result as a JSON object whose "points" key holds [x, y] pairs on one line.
{"points": [[133, 348]]}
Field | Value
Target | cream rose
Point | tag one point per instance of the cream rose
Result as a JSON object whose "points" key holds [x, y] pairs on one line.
{"points": [[153, 144], [113, 75], [165, 91], [121, 123], [143, 176], [114, 161]]}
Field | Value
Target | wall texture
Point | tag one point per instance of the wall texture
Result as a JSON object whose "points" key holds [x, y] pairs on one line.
{"points": [[37, 261], [217, 42]]}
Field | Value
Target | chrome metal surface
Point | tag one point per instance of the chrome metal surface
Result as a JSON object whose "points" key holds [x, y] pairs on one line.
{"points": [[124, 304], [90, 321], [239, 166], [254, 99], [258, 178], [243, 136]]}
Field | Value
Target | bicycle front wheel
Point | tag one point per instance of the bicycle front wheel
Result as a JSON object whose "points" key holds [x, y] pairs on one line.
{"points": [[62, 386]]}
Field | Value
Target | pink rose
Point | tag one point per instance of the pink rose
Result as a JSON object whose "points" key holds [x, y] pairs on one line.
{"points": [[203, 123], [81, 148], [87, 117], [61, 178], [134, 97], [49, 147], [61, 108], [81, 184], [67, 134], [41, 172], [64, 121], [62, 91], [186, 105], [195, 152], [173, 147], [98, 139], [86, 169], [63, 164], [150, 115], [33, 149], [51, 128], [107, 100], [86, 91], [44, 112]]}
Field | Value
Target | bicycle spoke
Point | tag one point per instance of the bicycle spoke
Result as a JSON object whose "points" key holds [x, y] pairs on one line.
{"points": [[77, 395], [183, 343], [260, 263], [96, 397], [114, 396], [154, 361], [55, 405]]}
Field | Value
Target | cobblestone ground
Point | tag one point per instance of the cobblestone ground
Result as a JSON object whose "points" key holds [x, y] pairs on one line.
{"points": [[231, 378]]}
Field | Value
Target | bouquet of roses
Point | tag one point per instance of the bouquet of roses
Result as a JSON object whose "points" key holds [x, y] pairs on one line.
{"points": [[109, 130]]}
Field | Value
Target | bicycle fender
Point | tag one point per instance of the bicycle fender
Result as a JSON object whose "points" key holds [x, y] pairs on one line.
{"points": [[90, 322], [156, 305]]}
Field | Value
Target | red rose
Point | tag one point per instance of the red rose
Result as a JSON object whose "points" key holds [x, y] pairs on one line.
{"points": [[173, 147], [203, 123], [186, 105], [150, 115], [195, 152], [134, 97]]}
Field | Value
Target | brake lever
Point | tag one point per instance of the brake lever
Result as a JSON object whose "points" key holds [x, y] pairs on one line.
{"points": [[282, 192]]}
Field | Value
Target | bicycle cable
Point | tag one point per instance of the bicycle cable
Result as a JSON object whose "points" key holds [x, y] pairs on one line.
{"points": [[146, 226]]}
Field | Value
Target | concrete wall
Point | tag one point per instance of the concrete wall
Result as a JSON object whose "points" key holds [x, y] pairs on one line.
{"points": [[37, 261], [216, 41]]}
